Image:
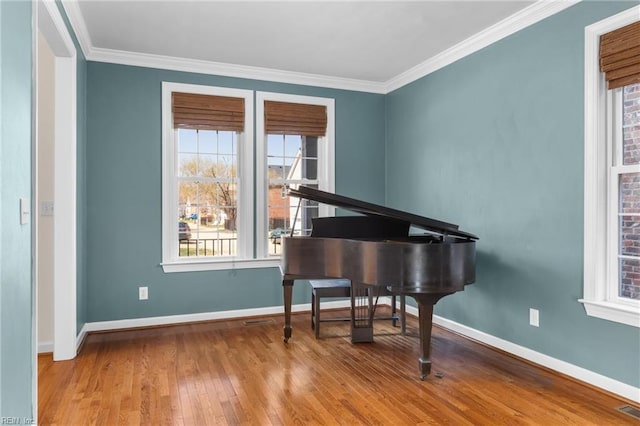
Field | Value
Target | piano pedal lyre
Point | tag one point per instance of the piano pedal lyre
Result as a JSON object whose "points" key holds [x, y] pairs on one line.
{"points": [[362, 313]]}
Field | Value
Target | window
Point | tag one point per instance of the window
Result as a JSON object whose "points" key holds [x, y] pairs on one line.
{"points": [[207, 208], [295, 147], [209, 217], [612, 171]]}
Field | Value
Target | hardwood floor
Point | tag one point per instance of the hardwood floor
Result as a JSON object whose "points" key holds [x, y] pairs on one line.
{"points": [[241, 372]]}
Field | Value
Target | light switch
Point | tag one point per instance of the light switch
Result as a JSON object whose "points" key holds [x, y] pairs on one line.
{"points": [[25, 211]]}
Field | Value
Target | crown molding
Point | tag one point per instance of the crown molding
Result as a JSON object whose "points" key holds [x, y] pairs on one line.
{"points": [[536, 12], [231, 70], [76, 20], [526, 17], [97, 54]]}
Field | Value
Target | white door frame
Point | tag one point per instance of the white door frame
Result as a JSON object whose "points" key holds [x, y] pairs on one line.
{"points": [[51, 25]]}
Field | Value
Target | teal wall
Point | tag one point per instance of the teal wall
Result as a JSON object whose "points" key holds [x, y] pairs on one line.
{"points": [[16, 338], [123, 184], [494, 143]]}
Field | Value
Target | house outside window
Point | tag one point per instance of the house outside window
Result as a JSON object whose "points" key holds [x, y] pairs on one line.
{"points": [[612, 170]]}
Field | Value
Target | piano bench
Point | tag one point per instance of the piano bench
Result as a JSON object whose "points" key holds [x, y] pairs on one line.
{"points": [[342, 288], [326, 288]]}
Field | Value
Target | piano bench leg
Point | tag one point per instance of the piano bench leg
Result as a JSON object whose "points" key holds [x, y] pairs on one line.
{"points": [[394, 315], [315, 317], [403, 314], [313, 310]]}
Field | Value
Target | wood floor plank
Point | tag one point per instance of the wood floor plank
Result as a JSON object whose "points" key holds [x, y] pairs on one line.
{"points": [[241, 372]]}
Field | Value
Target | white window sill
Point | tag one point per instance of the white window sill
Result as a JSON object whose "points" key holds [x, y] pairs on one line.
{"points": [[616, 312], [218, 265]]}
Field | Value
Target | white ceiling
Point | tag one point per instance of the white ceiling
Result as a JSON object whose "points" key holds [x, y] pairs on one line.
{"points": [[373, 41]]}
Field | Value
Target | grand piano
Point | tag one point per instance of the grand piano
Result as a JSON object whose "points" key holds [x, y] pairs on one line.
{"points": [[377, 249]]}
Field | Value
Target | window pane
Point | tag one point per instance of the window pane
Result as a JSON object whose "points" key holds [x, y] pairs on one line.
{"points": [[187, 194], [630, 235], [310, 168], [310, 157], [283, 151], [187, 141], [631, 124], [629, 193], [207, 165], [292, 148], [630, 278], [187, 165], [207, 142], [310, 211], [227, 143], [629, 217]]}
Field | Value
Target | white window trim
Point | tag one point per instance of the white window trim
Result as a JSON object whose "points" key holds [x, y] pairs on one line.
{"points": [[170, 260], [326, 161], [596, 300]]}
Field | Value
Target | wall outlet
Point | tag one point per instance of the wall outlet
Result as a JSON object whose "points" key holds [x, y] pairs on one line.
{"points": [[534, 317], [143, 293]]}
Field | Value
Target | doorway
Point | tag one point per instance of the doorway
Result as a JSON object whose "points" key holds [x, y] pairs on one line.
{"points": [[59, 205]]}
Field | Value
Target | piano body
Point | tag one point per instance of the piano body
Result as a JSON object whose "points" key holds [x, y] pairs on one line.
{"points": [[377, 250]]}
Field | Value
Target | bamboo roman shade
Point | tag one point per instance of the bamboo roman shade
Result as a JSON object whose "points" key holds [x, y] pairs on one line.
{"points": [[620, 56], [295, 119], [207, 112]]}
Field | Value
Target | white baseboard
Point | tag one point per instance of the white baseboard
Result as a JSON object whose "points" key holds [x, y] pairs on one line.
{"points": [[81, 336], [582, 374], [204, 316], [45, 347], [579, 373]]}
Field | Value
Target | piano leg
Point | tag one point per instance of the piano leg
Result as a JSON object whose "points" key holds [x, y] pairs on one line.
{"points": [[287, 287], [425, 319]]}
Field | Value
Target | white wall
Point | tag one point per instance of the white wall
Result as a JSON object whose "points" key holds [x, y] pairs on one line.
{"points": [[44, 192]]}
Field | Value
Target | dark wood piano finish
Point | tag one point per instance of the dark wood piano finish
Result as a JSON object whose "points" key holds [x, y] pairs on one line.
{"points": [[377, 250]]}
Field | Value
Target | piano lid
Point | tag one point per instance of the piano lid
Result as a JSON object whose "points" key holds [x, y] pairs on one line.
{"points": [[431, 225]]}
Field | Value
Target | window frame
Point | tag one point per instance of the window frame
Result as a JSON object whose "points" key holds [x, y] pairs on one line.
{"points": [[600, 199], [326, 162], [171, 262]]}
